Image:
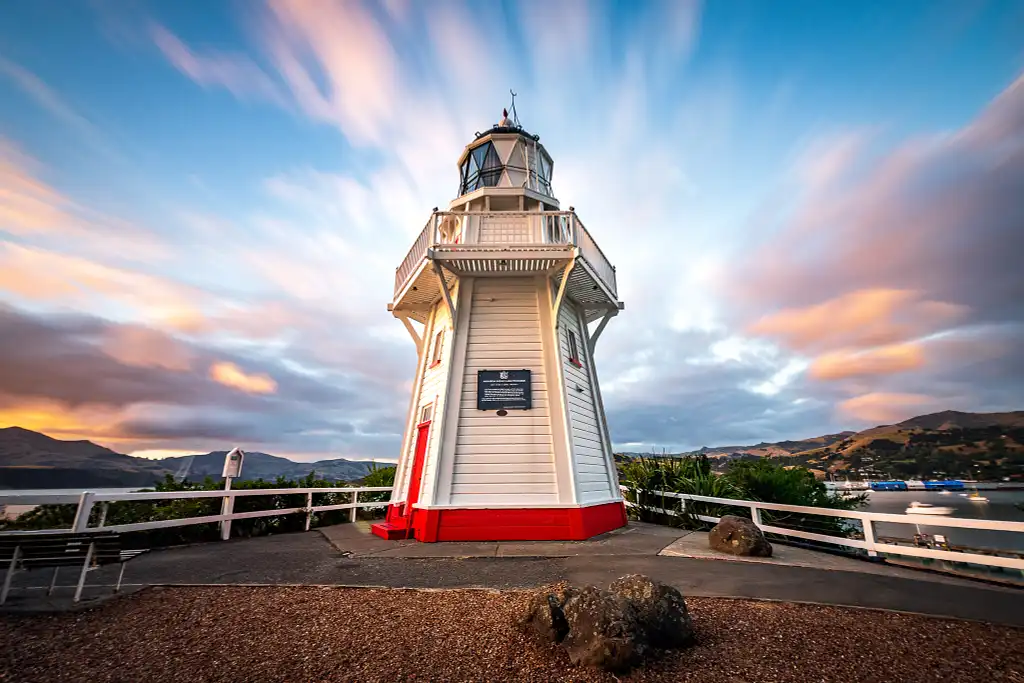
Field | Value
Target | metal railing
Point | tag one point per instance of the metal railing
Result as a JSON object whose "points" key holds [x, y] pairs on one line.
{"points": [[86, 500], [869, 543], [593, 255], [453, 229], [416, 254]]}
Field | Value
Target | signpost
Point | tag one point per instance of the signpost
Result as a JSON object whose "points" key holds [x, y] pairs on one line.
{"points": [[232, 468], [503, 390]]}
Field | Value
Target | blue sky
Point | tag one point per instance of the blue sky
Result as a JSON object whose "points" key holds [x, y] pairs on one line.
{"points": [[811, 207]]}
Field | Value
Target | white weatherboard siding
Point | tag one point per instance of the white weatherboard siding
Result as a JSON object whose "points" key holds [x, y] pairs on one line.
{"points": [[588, 447], [432, 391], [504, 460]]}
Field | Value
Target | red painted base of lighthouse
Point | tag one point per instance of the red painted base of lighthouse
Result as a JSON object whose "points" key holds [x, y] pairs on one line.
{"points": [[524, 524]]}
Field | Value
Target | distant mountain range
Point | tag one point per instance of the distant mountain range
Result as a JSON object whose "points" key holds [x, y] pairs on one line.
{"points": [[984, 446], [32, 460]]}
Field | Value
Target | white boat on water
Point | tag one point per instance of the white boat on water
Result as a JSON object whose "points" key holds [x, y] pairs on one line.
{"points": [[917, 508]]}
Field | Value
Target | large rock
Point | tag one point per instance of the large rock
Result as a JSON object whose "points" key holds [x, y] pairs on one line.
{"points": [[661, 610], [604, 630], [739, 536], [610, 629]]}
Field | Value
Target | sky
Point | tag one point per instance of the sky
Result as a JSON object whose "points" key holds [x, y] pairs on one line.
{"points": [[816, 209]]}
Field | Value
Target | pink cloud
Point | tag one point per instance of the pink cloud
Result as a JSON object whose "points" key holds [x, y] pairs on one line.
{"points": [[230, 375], [235, 72], [862, 318], [43, 276], [886, 408], [885, 360], [139, 346], [32, 209], [888, 262], [346, 48]]}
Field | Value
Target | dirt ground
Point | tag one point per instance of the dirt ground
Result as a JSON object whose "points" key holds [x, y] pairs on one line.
{"points": [[345, 634]]}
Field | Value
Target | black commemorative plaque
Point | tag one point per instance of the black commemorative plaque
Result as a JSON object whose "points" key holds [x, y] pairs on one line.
{"points": [[503, 390]]}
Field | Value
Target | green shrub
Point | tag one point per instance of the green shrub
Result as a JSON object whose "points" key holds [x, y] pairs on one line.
{"points": [[758, 480]]}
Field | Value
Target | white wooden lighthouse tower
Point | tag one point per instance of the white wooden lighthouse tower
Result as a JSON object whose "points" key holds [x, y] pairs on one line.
{"points": [[506, 437]]}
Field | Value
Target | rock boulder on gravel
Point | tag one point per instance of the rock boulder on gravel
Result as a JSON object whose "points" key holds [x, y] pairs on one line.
{"points": [[604, 630], [739, 536], [662, 610], [611, 629]]}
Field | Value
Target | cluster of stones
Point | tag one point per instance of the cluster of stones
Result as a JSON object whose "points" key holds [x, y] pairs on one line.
{"points": [[611, 629], [615, 629]]}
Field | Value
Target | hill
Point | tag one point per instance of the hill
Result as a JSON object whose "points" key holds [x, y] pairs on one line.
{"points": [[32, 460], [984, 446], [953, 419], [265, 466], [779, 448]]}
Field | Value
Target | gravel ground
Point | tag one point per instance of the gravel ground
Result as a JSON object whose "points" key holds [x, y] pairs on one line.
{"points": [[342, 634]]}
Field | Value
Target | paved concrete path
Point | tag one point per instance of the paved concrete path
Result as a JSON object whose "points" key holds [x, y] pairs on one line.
{"points": [[357, 559]]}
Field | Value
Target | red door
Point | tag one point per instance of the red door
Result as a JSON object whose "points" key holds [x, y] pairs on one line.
{"points": [[416, 477]]}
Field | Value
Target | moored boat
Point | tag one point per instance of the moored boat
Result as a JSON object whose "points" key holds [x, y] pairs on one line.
{"points": [[918, 508]]}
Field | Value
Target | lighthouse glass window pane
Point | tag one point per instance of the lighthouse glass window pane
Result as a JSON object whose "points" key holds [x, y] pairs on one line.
{"points": [[479, 154], [545, 168], [491, 160], [490, 170], [531, 159]]}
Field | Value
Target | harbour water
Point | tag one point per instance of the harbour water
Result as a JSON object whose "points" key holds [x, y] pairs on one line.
{"points": [[1001, 505], [13, 508]]}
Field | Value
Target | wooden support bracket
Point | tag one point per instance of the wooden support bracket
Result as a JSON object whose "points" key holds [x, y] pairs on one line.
{"points": [[416, 338], [561, 290], [444, 292], [592, 339]]}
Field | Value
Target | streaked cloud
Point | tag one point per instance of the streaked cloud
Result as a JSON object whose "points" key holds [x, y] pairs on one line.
{"points": [[799, 253], [889, 258], [32, 208], [234, 72]]}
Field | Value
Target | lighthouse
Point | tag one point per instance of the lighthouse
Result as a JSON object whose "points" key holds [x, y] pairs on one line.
{"points": [[505, 295]]}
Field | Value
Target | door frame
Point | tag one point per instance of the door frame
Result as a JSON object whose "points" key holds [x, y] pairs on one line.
{"points": [[416, 473]]}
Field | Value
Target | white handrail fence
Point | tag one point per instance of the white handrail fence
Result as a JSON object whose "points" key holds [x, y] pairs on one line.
{"points": [[86, 500], [593, 255], [867, 519]]}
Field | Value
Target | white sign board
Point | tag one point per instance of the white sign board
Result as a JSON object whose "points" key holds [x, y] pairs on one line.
{"points": [[233, 463]]}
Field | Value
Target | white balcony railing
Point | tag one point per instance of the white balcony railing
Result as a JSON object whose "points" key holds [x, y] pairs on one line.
{"points": [[477, 229]]}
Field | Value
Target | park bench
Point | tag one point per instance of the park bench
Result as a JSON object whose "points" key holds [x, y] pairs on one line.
{"points": [[42, 550]]}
